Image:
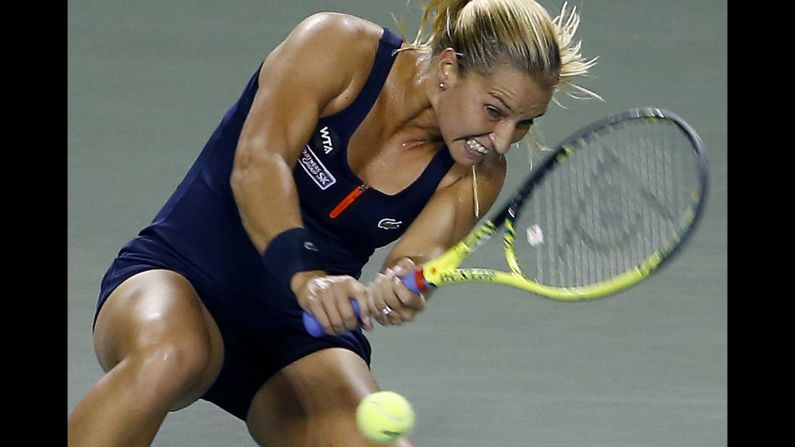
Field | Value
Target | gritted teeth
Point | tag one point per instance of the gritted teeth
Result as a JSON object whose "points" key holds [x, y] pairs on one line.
{"points": [[476, 146]]}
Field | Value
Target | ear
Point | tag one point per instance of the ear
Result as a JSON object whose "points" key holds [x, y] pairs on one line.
{"points": [[448, 68]]}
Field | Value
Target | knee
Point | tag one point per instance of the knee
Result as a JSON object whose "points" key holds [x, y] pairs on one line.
{"points": [[312, 402], [172, 368]]}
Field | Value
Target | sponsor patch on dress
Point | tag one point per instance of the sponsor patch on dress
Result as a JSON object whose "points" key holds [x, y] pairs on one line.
{"points": [[315, 169]]}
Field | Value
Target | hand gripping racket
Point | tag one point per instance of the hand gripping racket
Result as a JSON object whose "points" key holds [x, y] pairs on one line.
{"points": [[605, 210]]}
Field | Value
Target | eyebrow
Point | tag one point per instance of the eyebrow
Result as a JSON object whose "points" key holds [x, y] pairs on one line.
{"points": [[502, 101], [511, 110]]}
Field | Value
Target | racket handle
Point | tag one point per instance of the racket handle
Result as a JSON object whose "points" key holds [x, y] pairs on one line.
{"points": [[313, 326]]}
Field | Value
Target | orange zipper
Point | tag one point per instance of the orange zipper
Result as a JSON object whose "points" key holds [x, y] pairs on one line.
{"points": [[347, 201]]}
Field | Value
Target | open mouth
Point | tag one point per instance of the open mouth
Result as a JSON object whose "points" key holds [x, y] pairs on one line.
{"points": [[475, 146]]}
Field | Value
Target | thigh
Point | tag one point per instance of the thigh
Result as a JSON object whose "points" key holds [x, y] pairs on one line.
{"points": [[158, 311], [312, 402]]}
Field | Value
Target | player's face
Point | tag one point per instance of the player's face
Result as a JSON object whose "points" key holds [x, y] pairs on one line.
{"points": [[482, 116]]}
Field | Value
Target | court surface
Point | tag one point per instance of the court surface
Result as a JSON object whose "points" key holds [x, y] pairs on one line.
{"points": [[483, 366]]}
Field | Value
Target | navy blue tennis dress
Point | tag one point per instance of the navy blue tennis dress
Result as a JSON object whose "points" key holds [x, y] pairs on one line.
{"points": [[199, 234]]}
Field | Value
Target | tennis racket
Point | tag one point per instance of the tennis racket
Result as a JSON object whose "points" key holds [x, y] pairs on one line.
{"points": [[607, 207]]}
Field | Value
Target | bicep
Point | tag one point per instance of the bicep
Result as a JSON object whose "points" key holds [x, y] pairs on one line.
{"points": [[296, 81]]}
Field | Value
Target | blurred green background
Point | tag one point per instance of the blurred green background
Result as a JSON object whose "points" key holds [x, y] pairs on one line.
{"points": [[148, 82]]}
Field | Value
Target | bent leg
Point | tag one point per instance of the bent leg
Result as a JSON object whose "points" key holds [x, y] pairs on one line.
{"points": [[160, 349], [312, 402]]}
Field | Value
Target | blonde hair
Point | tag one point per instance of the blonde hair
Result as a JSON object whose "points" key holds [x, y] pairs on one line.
{"points": [[521, 33]]}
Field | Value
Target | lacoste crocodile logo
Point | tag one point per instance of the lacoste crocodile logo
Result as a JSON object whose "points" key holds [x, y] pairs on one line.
{"points": [[389, 224]]}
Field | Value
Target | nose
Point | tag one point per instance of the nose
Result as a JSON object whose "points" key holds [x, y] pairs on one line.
{"points": [[501, 140]]}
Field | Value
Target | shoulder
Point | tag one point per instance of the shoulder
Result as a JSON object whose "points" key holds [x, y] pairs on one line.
{"points": [[327, 52], [342, 36], [338, 24]]}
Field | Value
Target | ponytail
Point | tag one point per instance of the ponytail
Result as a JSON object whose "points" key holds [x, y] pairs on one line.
{"points": [[518, 32]]}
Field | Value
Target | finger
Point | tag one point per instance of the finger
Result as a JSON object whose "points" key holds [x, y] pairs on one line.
{"points": [[367, 308], [342, 302], [397, 317], [403, 267], [316, 288], [408, 298], [331, 307], [351, 289], [317, 310], [399, 313], [376, 290], [392, 288], [365, 321]]}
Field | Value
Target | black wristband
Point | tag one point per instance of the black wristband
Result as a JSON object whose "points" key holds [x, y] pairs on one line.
{"points": [[290, 252]]}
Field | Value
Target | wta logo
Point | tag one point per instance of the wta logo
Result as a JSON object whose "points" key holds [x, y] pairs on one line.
{"points": [[326, 139], [325, 136]]}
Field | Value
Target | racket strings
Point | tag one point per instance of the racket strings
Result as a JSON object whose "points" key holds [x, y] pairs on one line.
{"points": [[613, 203]]}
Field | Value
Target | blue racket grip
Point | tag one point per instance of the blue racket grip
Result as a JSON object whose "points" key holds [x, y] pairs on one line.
{"points": [[416, 282], [313, 326]]}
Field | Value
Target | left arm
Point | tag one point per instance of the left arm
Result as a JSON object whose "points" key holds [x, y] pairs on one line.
{"points": [[445, 220]]}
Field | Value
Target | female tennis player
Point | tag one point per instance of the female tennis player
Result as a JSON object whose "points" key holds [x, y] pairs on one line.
{"points": [[345, 139]]}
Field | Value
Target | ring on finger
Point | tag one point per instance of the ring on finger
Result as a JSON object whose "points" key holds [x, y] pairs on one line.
{"points": [[386, 311]]}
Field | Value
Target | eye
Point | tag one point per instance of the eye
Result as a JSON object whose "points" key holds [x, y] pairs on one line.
{"points": [[525, 124], [493, 111]]}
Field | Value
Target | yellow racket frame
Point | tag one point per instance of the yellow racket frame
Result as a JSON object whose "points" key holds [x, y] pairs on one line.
{"points": [[443, 271]]}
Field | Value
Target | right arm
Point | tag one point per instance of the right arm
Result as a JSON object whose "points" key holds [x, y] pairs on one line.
{"points": [[294, 88], [302, 79]]}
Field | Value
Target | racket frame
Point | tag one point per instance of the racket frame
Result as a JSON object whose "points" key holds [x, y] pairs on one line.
{"points": [[444, 270]]}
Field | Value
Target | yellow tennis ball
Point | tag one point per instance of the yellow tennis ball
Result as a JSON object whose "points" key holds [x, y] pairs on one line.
{"points": [[384, 416]]}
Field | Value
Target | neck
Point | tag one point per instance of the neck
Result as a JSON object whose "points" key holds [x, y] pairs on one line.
{"points": [[411, 117]]}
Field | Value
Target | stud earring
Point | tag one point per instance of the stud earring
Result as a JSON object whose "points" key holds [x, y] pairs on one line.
{"points": [[442, 86]]}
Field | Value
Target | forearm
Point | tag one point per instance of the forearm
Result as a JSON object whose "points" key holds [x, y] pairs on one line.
{"points": [[447, 218], [425, 240], [268, 204], [266, 197]]}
